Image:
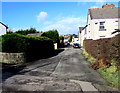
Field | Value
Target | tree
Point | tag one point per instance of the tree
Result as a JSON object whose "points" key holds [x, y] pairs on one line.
{"points": [[70, 40], [9, 31], [53, 34], [27, 31], [61, 38]]}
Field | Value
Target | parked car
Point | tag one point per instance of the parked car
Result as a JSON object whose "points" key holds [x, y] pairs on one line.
{"points": [[68, 43], [76, 45]]}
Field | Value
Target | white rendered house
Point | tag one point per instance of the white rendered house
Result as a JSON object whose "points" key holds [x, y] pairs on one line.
{"points": [[3, 28], [102, 21], [82, 34]]}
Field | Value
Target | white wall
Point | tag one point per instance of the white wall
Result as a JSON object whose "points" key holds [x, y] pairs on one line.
{"points": [[75, 40], [88, 36], [110, 26], [83, 36], [79, 37], [2, 29]]}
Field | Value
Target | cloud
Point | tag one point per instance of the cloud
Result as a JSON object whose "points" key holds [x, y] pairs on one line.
{"points": [[68, 25], [42, 16], [47, 23], [94, 7]]}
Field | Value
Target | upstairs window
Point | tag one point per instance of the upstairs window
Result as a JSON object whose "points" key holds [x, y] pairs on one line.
{"points": [[102, 27], [102, 36]]}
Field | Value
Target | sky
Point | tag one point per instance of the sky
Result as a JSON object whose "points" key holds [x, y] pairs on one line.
{"points": [[66, 17]]}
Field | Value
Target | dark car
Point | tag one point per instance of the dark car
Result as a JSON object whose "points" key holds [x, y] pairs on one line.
{"points": [[76, 45]]}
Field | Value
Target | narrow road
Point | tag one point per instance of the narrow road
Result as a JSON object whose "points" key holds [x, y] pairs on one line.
{"points": [[67, 71]]}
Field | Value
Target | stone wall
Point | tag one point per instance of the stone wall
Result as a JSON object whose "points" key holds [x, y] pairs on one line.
{"points": [[12, 58]]}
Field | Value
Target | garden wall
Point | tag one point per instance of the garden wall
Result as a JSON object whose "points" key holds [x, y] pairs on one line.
{"points": [[12, 58]]}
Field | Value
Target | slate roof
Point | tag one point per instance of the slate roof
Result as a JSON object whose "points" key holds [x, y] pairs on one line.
{"points": [[37, 34], [103, 13]]}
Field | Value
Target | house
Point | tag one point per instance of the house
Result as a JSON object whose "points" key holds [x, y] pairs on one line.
{"points": [[3, 28], [102, 22], [37, 34], [79, 34], [75, 39], [82, 34], [66, 38]]}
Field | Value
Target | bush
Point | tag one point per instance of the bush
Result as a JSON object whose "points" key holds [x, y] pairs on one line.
{"points": [[107, 53], [33, 47], [53, 34], [107, 48], [115, 48]]}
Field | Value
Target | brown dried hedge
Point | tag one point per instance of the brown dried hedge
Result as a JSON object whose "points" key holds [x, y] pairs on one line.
{"points": [[105, 48]]}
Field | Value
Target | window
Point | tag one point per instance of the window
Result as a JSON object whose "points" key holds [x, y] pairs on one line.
{"points": [[96, 23], [102, 27], [102, 36], [102, 23]]}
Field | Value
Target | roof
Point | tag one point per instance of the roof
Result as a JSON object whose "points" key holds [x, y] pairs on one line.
{"points": [[117, 30], [36, 34], [80, 29], [4, 25], [103, 13]]}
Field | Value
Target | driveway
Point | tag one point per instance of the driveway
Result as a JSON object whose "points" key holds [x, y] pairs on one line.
{"points": [[67, 71]]}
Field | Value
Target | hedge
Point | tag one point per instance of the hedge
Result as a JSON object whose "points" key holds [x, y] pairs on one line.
{"points": [[33, 47], [54, 35], [106, 48]]}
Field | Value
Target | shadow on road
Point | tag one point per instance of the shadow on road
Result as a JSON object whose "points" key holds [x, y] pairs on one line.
{"points": [[58, 51], [9, 70]]}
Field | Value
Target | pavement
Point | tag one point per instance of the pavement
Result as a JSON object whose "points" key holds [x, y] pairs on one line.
{"points": [[66, 72]]}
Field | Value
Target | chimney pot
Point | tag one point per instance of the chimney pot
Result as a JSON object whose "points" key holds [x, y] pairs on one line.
{"points": [[108, 6]]}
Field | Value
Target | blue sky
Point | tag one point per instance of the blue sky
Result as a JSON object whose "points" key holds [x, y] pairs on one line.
{"points": [[66, 17]]}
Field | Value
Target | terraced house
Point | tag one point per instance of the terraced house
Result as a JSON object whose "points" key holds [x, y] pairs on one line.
{"points": [[101, 23]]}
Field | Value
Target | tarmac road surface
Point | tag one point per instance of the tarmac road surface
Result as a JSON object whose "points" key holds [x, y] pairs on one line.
{"points": [[67, 71]]}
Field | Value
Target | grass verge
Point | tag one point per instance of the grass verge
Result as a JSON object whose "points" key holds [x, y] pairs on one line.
{"points": [[110, 74]]}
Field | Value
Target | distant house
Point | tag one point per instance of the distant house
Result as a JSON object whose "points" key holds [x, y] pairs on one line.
{"points": [[66, 38], [75, 39], [102, 22], [3, 28], [82, 34], [37, 34]]}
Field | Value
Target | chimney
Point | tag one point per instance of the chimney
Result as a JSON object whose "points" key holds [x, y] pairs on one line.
{"points": [[108, 6]]}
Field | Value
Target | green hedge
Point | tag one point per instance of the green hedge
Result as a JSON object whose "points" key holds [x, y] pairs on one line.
{"points": [[54, 35], [33, 47], [106, 48], [61, 38]]}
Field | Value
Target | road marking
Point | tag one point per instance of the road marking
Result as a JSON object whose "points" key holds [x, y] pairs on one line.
{"points": [[86, 86]]}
